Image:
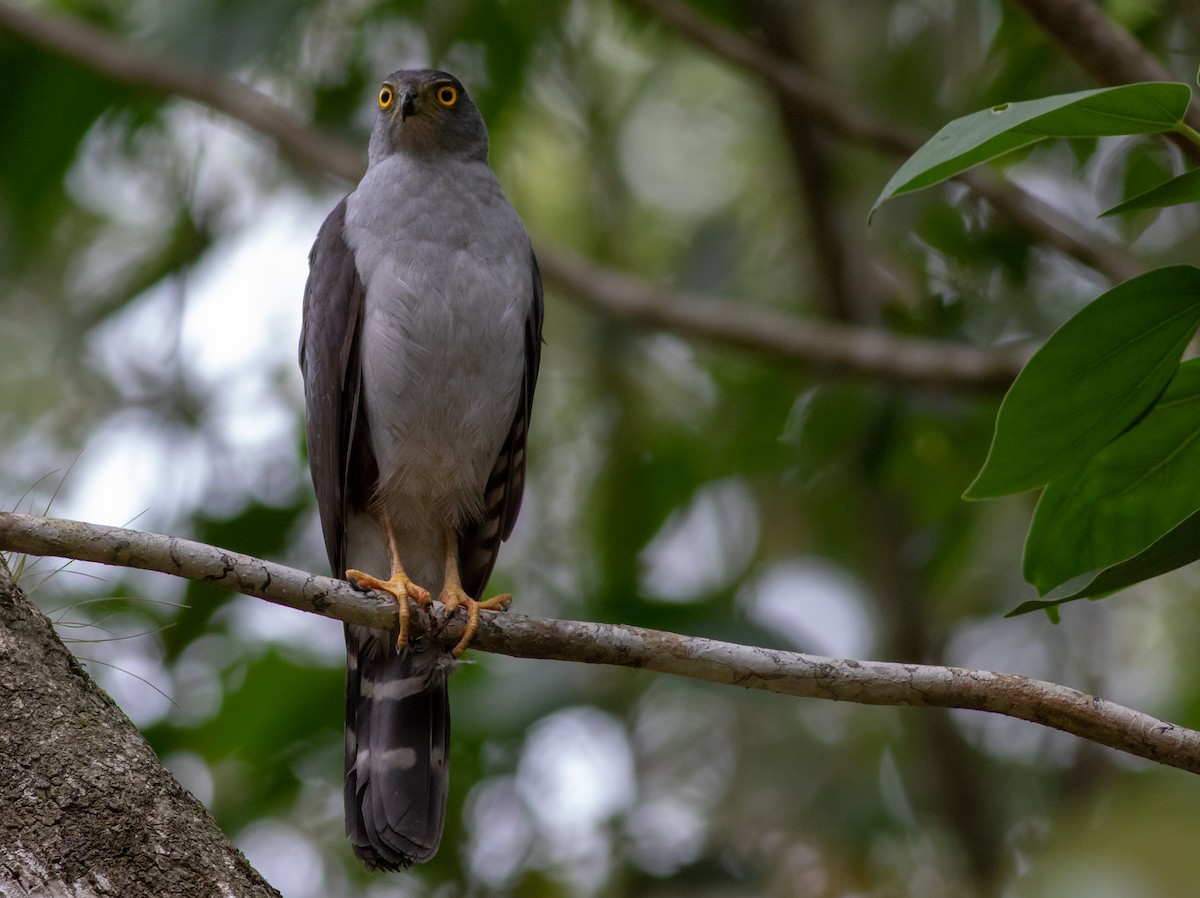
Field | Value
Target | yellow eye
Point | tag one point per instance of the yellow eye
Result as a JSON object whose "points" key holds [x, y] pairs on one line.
{"points": [[386, 97], [447, 95]]}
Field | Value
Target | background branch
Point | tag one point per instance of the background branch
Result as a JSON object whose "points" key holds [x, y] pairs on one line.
{"points": [[1105, 50], [1102, 48], [788, 673], [850, 350], [785, 29], [805, 92], [812, 98], [111, 57], [830, 347]]}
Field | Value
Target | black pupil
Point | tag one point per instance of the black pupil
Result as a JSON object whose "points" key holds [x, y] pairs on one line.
{"points": [[447, 95], [385, 97]]}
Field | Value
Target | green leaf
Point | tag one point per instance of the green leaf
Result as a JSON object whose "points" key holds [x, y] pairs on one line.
{"points": [[1113, 521], [1146, 108], [1181, 189], [1094, 377], [1177, 547]]}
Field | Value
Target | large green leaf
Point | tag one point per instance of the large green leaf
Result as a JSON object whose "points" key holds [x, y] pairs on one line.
{"points": [[1177, 547], [1125, 500], [1181, 189], [1146, 108], [1092, 379]]}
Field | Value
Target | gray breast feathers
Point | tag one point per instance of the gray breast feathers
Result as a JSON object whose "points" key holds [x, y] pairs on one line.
{"points": [[449, 296]]}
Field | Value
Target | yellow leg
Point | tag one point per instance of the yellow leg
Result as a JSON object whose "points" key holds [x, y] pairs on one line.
{"points": [[398, 586], [453, 595]]}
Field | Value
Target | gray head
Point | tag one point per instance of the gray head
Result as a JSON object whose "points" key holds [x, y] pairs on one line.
{"points": [[423, 112]]}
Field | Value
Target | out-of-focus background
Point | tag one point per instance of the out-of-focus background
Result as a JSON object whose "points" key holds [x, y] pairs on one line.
{"points": [[152, 259]]}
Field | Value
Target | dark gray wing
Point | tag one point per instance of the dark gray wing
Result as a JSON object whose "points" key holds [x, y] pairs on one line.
{"points": [[397, 707], [479, 543], [338, 452]]}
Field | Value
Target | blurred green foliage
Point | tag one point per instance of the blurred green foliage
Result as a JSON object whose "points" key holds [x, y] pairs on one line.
{"points": [[151, 262]]}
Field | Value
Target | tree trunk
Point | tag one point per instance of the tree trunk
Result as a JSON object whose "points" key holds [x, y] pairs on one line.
{"points": [[85, 806]]}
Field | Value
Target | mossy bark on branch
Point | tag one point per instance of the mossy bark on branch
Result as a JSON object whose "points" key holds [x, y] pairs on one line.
{"points": [[86, 808]]}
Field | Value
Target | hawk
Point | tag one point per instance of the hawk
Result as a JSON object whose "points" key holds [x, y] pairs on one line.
{"points": [[420, 350]]}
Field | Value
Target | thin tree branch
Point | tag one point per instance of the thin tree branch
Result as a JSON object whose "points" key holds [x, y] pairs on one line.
{"points": [[788, 673], [812, 98], [830, 347]]}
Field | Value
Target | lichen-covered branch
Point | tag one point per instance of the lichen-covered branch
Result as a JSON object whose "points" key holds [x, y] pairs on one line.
{"points": [[789, 673]]}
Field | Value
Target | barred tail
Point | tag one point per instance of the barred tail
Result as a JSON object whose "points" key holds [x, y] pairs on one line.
{"points": [[397, 740]]}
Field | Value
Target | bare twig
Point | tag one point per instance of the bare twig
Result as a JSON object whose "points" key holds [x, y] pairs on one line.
{"points": [[826, 346], [788, 673], [812, 98]]}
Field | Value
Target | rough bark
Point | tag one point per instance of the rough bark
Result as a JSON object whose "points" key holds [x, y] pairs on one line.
{"points": [[86, 809]]}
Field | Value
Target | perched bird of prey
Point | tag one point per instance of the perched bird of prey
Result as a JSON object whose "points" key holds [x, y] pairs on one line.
{"points": [[420, 350]]}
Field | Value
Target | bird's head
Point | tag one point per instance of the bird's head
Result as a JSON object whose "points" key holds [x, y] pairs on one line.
{"points": [[426, 112]]}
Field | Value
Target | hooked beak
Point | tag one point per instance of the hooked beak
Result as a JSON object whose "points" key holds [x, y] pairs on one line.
{"points": [[408, 103]]}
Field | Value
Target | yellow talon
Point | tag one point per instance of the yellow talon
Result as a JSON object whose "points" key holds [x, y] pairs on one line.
{"points": [[453, 597], [401, 589]]}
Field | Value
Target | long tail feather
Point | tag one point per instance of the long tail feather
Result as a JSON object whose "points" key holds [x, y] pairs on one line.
{"points": [[397, 739]]}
